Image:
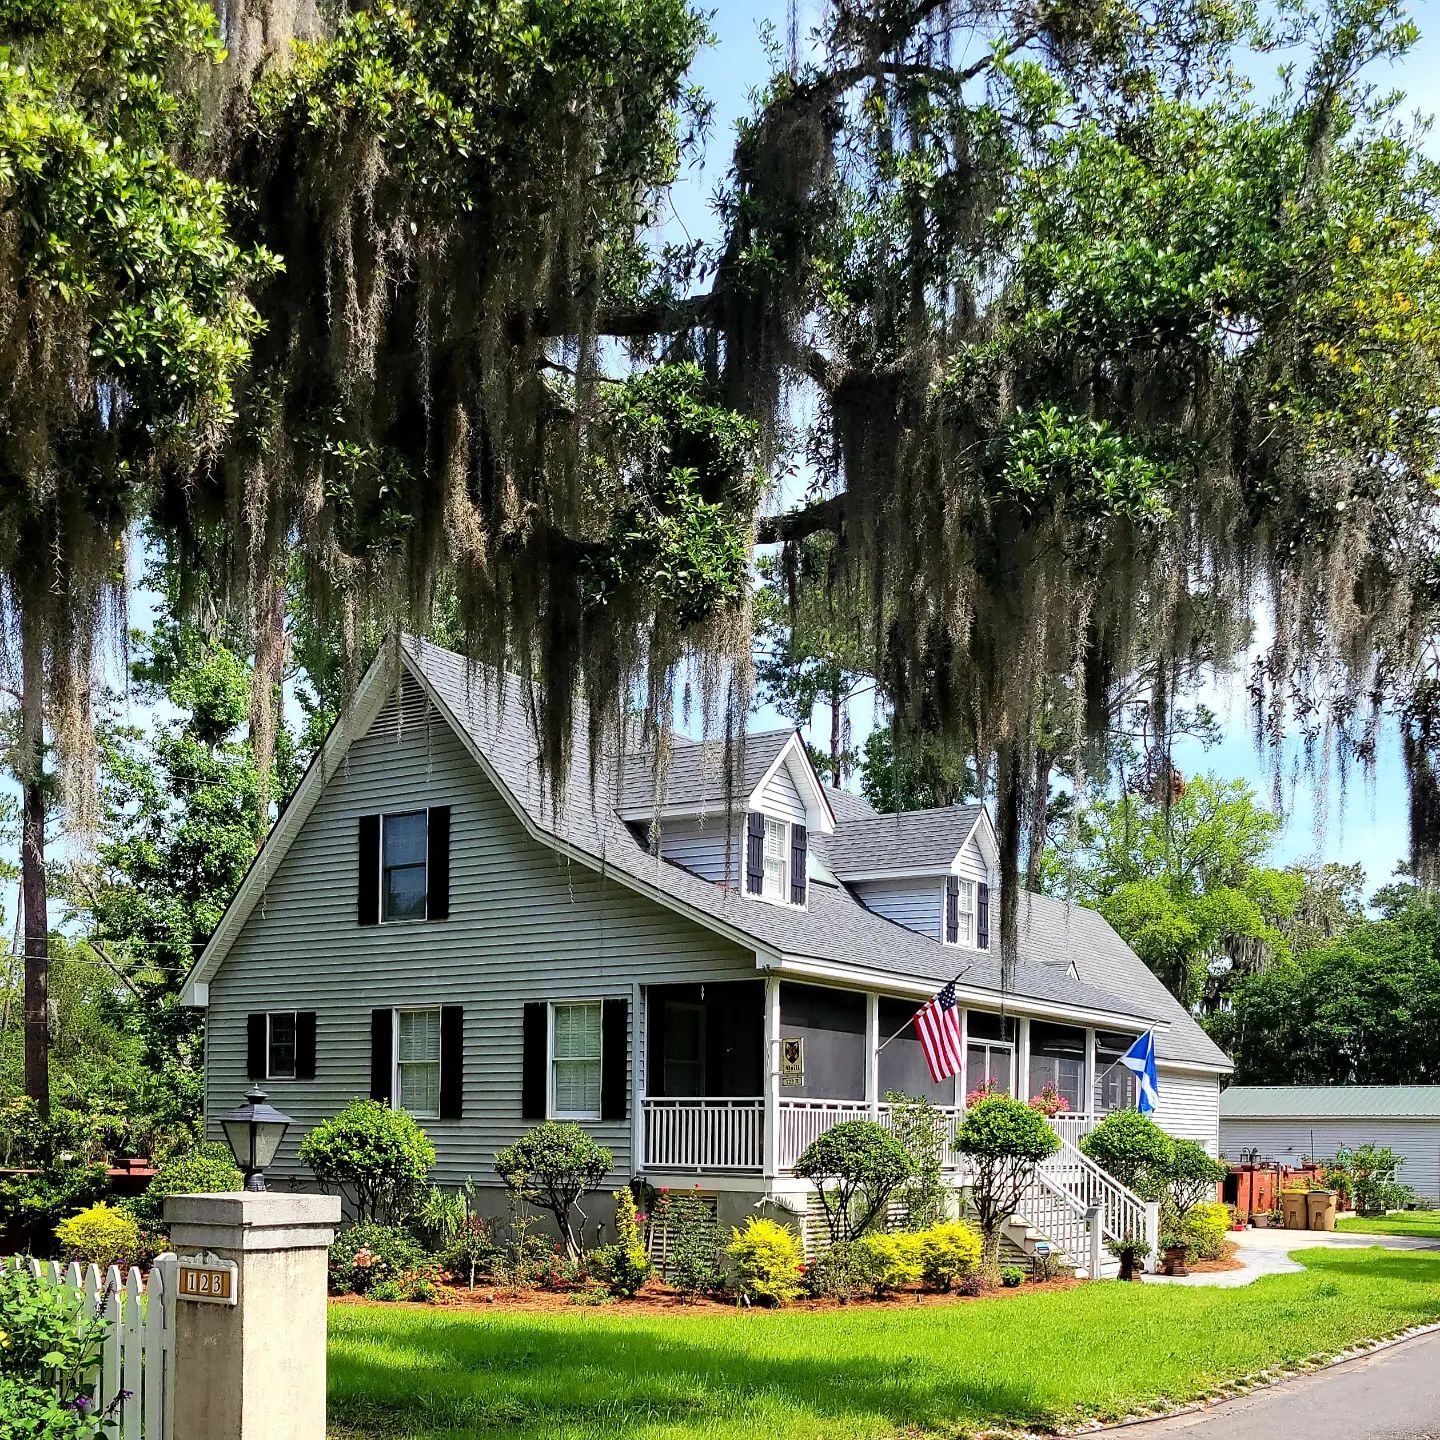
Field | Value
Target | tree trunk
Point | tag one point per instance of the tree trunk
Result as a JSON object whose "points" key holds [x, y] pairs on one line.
{"points": [[1039, 818], [836, 732], [33, 897]]}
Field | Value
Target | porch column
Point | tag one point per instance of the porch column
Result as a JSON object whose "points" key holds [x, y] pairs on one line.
{"points": [[1022, 1058], [638, 1158], [772, 1076], [872, 1058], [1087, 1097]]}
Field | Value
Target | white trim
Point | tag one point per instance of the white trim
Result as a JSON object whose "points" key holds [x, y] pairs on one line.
{"points": [[819, 817], [439, 1062], [1195, 1067], [582, 1117], [424, 864], [294, 1045], [904, 872]]}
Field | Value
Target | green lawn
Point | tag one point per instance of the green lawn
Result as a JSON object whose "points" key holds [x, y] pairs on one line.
{"points": [[1424, 1223], [1033, 1359]]}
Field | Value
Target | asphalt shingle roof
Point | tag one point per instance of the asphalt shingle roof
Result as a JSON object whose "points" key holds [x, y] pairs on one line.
{"points": [[696, 773], [911, 840], [1330, 1102], [835, 926]]}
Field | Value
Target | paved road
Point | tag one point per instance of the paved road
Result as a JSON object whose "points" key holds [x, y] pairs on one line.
{"points": [[1392, 1394]]}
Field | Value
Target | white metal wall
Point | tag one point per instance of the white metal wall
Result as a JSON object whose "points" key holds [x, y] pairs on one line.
{"points": [[1291, 1141]]}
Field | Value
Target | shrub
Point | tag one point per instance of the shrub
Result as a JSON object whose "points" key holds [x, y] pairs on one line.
{"points": [[1191, 1176], [1205, 1227], [1370, 1171], [695, 1243], [422, 1282], [208, 1169], [551, 1167], [890, 1262], [623, 1267], [473, 1251], [856, 1166], [100, 1235], [439, 1217], [1134, 1149], [63, 1155], [1005, 1139], [923, 1132], [949, 1251], [377, 1157], [843, 1273], [766, 1256], [1011, 1276], [366, 1255]]}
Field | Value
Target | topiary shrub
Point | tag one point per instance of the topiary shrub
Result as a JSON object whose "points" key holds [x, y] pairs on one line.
{"points": [[551, 1167], [949, 1251], [378, 1158], [101, 1235], [856, 1166], [208, 1169], [1134, 1149], [767, 1260], [1191, 1177], [367, 1255], [1005, 1140]]}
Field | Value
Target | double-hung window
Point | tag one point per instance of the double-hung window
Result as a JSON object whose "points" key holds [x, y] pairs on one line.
{"points": [[777, 842], [417, 1062], [575, 1060], [403, 845], [965, 912], [280, 1050]]}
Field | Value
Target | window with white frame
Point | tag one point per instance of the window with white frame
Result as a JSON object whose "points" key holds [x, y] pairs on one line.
{"points": [[965, 912], [417, 1062], [575, 1069], [404, 842], [280, 1045], [777, 840]]}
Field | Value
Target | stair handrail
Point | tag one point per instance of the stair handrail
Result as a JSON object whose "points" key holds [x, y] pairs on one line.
{"points": [[1072, 1170]]}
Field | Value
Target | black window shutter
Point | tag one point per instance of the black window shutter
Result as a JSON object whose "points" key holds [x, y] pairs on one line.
{"points": [[452, 1060], [382, 1050], [532, 1064], [755, 852], [799, 866], [305, 1045], [614, 1058], [982, 917], [368, 893], [952, 908], [257, 1037], [437, 867]]}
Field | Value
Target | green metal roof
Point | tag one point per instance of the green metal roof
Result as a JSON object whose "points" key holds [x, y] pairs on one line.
{"points": [[1330, 1102]]}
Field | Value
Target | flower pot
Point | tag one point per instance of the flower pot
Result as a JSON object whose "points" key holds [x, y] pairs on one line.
{"points": [[1261, 1221], [1175, 1258]]}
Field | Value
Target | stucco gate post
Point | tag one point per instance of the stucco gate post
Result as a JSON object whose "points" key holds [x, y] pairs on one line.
{"points": [[253, 1369]]}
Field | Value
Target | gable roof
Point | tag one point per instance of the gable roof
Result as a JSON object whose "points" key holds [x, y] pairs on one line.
{"points": [[695, 777], [836, 936], [1330, 1102], [908, 842]]}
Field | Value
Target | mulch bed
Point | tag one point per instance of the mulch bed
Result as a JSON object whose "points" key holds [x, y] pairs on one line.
{"points": [[1226, 1260]]}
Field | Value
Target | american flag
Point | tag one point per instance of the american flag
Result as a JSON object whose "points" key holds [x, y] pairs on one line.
{"points": [[937, 1023]]}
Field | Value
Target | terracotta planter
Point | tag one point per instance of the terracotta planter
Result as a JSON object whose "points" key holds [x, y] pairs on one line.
{"points": [[1175, 1258], [1260, 1221]]}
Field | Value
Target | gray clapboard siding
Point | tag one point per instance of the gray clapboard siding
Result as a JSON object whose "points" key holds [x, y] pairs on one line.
{"points": [[525, 925], [781, 797], [917, 903], [1288, 1142], [698, 842]]}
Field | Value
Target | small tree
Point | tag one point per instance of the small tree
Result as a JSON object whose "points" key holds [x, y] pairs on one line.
{"points": [[923, 1131], [1005, 1140], [378, 1158], [551, 1167], [1134, 1149], [856, 1166], [1192, 1177], [1371, 1171]]}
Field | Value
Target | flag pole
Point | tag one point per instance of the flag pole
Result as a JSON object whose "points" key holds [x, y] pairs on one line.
{"points": [[911, 1020]]}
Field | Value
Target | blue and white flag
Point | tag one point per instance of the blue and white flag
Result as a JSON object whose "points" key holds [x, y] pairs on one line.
{"points": [[1140, 1058]]}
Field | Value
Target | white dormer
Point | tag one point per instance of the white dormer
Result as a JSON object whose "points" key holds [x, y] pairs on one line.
{"points": [[787, 805], [971, 898]]}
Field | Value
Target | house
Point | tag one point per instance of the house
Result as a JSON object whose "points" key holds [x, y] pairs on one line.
{"points": [[1288, 1124], [425, 927]]}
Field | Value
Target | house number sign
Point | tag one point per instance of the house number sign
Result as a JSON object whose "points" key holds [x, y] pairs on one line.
{"points": [[792, 1061], [210, 1281]]}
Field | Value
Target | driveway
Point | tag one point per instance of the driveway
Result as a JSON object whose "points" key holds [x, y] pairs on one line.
{"points": [[1390, 1394], [1266, 1252]]}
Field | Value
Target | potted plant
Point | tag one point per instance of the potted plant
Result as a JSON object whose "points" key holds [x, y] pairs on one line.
{"points": [[1176, 1250], [1240, 1221], [1129, 1250], [1260, 1219]]}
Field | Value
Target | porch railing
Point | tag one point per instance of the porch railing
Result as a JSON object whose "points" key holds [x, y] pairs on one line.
{"points": [[705, 1134], [802, 1121]]}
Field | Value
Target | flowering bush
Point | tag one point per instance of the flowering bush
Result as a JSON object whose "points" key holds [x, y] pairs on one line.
{"points": [[767, 1260], [1049, 1102], [983, 1091], [422, 1282], [949, 1252], [366, 1256], [100, 1235]]}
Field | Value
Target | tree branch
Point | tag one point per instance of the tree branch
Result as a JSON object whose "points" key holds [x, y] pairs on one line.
{"points": [[797, 524]]}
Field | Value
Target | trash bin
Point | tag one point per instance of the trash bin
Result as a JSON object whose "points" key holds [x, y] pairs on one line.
{"points": [[1321, 1206], [1297, 1214]]}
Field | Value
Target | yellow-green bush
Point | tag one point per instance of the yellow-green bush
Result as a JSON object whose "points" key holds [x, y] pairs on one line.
{"points": [[1206, 1227], [99, 1235], [949, 1251], [890, 1261], [767, 1258]]}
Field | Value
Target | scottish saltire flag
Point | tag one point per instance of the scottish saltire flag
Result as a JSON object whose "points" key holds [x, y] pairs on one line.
{"points": [[937, 1023], [1140, 1058]]}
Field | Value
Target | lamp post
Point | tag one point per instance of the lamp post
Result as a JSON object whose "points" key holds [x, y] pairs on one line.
{"points": [[254, 1133]]}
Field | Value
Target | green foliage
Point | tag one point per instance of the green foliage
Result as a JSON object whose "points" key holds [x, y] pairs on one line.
{"points": [[767, 1258], [1005, 1139], [1205, 1227], [208, 1169], [49, 1345], [1134, 1149], [377, 1157], [419, 1283], [695, 1254], [856, 1167], [891, 1261], [842, 1271], [923, 1132], [949, 1251], [623, 1267], [61, 1182], [99, 1235], [366, 1255], [1369, 1171], [1011, 1276], [552, 1166], [913, 772], [1191, 1176]]}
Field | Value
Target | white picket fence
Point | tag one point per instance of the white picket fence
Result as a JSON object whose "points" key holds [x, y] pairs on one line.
{"points": [[137, 1352]]}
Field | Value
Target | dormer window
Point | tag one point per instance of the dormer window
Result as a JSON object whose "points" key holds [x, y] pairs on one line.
{"points": [[777, 859], [967, 913]]}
